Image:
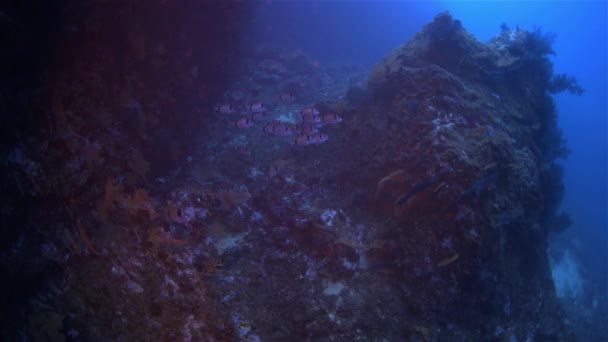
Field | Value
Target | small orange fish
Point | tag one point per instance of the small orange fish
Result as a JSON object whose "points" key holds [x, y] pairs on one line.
{"points": [[270, 127], [244, 123], [308, 129], [312, 118], [303, 140], [331, 119], [257, 107], [310, 111], [225, 108], [319, 138], [279, 128]]}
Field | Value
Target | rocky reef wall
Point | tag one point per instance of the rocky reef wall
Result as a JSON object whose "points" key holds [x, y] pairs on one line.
{"points": [[140, 211]]}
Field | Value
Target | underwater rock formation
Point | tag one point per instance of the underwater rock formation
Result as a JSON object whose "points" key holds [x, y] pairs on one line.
{"points": [[469, 242], [424, 216]]}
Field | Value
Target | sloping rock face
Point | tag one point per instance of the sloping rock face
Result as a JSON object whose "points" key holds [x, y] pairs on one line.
{"points": [[423, 217], [464, 134]]}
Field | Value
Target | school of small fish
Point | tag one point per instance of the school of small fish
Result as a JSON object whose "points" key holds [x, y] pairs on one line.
{"points": [[306, 133]]}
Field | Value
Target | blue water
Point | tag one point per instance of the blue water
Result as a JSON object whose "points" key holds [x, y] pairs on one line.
{"points": [[363, 32]]}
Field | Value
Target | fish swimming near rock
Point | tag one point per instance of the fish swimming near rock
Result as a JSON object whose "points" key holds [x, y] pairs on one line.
{"points": [[319, 138], [307, 129], [303, 140], [244, 123], [310, 111], [225, 108], [279, 128], [257, 107], [312, 139], [331, 119], [310, 118]]}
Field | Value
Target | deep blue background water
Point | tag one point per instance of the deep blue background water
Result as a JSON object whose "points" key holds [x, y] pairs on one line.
{"points": [[363, 32]]}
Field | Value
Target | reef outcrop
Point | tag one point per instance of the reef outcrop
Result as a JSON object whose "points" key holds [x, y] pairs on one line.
{"points": [[472, 128]]}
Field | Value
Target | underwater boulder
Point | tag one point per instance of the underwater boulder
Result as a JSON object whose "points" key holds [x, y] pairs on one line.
{"points": [[460, 168]]}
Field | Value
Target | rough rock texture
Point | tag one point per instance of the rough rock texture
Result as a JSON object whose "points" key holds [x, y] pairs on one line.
{"points": [[424, 217], [473, 139], [97, 94]]}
